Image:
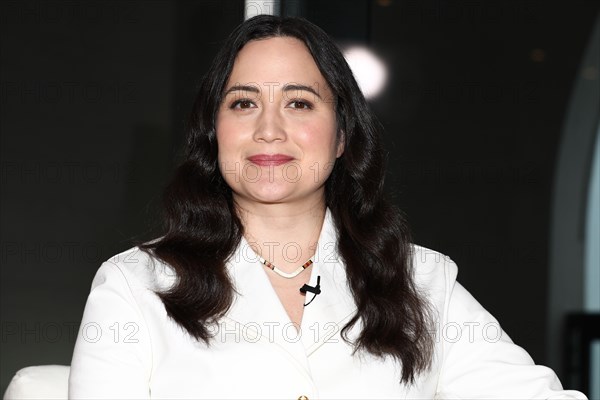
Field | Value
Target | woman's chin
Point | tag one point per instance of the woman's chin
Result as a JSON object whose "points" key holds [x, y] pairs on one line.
{"points": [[275, 195], [271, 198]]}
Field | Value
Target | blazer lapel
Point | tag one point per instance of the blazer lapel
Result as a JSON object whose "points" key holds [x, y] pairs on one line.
{"points": [[326, 315], [258, 311]]}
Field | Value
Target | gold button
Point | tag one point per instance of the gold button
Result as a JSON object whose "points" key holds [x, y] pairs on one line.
{"points": [[302, 398]]}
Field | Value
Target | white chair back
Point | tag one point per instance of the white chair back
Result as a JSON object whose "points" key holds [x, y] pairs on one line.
{"points": [[39, 382]]}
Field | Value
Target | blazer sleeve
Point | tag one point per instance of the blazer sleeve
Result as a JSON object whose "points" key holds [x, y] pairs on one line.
{"points": [[480, 361], [112, 355]]}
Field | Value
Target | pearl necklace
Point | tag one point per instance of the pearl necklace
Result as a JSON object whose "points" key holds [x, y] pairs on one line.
{"points": [[281, 273]]}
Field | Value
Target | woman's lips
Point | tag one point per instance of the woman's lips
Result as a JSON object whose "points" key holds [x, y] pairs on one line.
{"points": [[267, 160]]}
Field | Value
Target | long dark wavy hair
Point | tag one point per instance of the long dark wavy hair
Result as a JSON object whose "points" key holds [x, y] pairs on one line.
{"points": [[203, 228]]}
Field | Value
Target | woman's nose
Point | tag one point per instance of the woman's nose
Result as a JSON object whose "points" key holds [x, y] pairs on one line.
{"points": [[270, 125]]}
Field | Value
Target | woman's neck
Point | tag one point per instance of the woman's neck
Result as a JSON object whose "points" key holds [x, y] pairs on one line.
{"points": [[282, 234]]}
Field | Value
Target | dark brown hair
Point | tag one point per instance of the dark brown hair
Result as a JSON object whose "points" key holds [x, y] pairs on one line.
{"points": [[203, 229]]}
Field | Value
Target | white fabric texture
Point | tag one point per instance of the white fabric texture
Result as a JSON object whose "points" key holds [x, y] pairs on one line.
{"points": [[129, 348], [39, 382]]}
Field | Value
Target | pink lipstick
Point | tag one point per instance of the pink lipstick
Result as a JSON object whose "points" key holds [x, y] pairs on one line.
{"points": [[267, 160]]}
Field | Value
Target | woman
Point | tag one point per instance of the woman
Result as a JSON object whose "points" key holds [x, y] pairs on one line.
{"points": [[284, 272]]}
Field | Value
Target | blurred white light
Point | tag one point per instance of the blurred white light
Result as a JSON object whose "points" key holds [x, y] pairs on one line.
{"points": [[370, 72]]}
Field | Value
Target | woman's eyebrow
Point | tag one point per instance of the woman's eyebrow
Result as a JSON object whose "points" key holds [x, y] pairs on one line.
{"points": [[297, 87], [287, 88], [242, 88]]}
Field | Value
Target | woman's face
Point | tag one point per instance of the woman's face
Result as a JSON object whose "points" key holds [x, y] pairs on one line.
{"points": [[276, 127]]}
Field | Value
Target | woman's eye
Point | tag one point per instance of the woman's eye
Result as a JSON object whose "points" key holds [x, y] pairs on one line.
{"points": [[242, 104], [301, 105]]}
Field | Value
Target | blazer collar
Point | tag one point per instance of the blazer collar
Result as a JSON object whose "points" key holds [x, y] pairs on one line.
{"points": [[258, 307]]}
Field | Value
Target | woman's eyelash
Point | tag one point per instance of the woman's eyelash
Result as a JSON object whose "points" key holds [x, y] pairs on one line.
{"points": [[238, 102], [307, 104]]}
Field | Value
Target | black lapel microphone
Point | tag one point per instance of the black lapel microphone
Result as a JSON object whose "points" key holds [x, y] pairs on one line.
{"points": [[316, 289]]}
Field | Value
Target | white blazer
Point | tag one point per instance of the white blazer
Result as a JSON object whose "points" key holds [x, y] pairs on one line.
{"points": [[129, 348]]}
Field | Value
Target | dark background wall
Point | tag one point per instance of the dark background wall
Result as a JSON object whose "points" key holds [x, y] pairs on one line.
{"points": [[94, 94], [86, 117]]}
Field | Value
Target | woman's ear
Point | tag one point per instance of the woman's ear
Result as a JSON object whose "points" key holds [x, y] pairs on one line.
{"points": [[340, 145]]}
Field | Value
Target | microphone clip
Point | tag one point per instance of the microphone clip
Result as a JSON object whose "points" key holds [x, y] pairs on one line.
{"points": [[316, 290]]}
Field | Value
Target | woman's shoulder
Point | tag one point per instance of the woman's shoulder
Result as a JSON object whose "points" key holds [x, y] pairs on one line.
{"points": [[432, 268], [138, 268]]}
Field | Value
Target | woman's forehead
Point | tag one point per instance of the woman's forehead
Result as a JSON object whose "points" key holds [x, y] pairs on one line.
{"points": [[276, 61]]}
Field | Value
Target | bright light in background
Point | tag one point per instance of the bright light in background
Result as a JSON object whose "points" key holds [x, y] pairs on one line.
{"points": [[370, 72]]}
